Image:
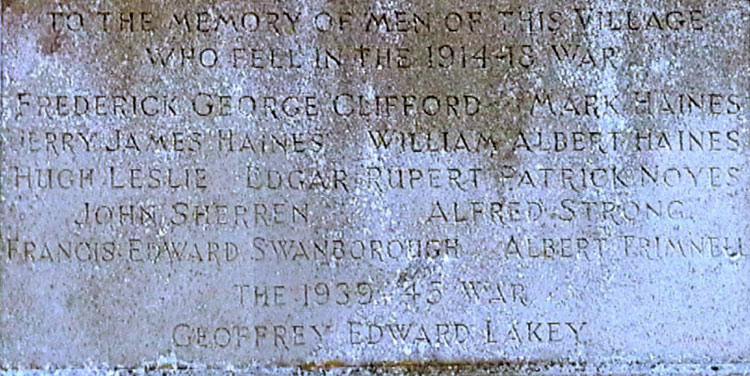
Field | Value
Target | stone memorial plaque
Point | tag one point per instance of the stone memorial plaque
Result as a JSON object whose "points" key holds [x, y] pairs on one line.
{"points": [[375, 186]]}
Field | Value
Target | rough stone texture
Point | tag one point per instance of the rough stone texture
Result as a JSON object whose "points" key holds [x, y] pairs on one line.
{"points": [[555, 198]]}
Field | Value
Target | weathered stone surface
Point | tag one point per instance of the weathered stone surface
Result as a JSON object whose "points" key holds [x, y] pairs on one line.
{"points": [[434, 186]]}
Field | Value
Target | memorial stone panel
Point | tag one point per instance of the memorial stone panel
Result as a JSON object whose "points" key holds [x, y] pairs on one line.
{"points": [[326, 185]]}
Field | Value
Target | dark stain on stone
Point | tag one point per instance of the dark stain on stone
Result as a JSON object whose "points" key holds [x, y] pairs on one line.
{"points": [[50, 42], [446, 367]]}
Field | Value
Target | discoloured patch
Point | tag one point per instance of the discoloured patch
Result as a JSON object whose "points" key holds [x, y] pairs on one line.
{"points": [[50, 43]]}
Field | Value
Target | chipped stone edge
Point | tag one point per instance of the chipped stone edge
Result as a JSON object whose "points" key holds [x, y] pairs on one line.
{"points": [[169, 365]]}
